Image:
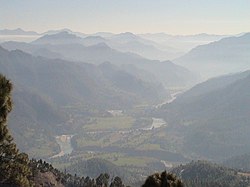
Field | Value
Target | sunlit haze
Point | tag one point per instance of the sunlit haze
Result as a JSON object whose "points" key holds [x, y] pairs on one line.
{"points": [[115, 93], [147, 16]]}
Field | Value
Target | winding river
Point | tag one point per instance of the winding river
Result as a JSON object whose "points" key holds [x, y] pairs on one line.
{"points": [[173, 97], [64, 142], [66, 148]]}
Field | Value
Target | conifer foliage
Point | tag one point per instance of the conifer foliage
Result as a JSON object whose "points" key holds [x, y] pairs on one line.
{"points": [[14, 168], [163, 179]]}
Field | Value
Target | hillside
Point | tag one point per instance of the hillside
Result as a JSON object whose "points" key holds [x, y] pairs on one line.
{"points": [[212, 122], [228, 55], [33, 123], [203, 173], [44, 174], [94, 167], [240, 162]]}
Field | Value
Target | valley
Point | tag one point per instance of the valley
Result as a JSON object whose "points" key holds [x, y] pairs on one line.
{"points": [[128, 139], [85, 104]]}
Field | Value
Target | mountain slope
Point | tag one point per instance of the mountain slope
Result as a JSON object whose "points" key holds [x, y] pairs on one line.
{"points": [[93, 167], [240, 162], [34, 122], [213, 123], [202, 173], [224, 56]]}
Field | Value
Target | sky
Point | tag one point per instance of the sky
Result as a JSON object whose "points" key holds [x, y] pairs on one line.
{"points": [[137, 16]]}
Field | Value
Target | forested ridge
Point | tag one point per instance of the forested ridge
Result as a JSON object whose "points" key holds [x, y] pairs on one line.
{"points": [[207, 174]]}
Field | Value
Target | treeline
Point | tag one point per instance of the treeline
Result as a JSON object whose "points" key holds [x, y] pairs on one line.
{"points": [[68, 180], [93, 167]]}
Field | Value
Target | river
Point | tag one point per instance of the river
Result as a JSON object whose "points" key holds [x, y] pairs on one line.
{"points": [[157, 123], [64, 142], [173, 96], [66, 148]]}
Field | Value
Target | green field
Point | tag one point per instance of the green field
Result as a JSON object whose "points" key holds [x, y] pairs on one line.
{"points": [[110, 123]]}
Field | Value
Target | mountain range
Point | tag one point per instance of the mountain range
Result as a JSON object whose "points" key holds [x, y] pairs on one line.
{"points": [[17, 31], [228, 55], [154, 46], [70, 47]]}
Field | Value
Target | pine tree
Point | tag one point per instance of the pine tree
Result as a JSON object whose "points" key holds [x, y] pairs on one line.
{"points": [[14, 169], [163, 179], [117, 182]]}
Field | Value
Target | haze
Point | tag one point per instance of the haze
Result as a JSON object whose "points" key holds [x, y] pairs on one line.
{"points": [[110, 91], [147, 16]]}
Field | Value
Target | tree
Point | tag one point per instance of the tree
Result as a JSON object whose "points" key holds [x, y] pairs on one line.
{"points": [[102, 180], [13, 165], [162, 180], [117, 182]]}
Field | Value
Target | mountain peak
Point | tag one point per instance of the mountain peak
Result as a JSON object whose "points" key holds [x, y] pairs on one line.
{"points": [[17, 31], [127, 34], [58, 38], [62, 34]]}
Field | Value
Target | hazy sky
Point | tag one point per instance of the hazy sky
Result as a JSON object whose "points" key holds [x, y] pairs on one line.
{"points": [[138, 16]]}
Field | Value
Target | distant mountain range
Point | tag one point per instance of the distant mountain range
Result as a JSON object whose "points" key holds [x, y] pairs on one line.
{"points": [[228, 55], [17, 32], [159, 46], [71, 47], [184, 43], [212, 117], [59, 38], [124, 42]]}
